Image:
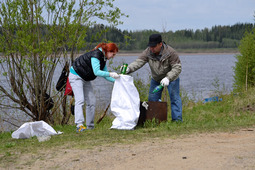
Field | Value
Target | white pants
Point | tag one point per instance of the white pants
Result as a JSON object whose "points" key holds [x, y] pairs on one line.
{"points": [[83, 92]]}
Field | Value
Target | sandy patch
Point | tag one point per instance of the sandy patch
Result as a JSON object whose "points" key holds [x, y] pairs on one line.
{"points": [[202, 151]]}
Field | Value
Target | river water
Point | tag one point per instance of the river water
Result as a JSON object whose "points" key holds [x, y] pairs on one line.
{"points": [[199, 73]]}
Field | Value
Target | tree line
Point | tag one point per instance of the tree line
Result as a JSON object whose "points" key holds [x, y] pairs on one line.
{"points": [[216, 37]]}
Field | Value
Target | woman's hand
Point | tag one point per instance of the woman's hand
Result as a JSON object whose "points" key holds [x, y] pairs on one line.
{"points": [[114, 75]]}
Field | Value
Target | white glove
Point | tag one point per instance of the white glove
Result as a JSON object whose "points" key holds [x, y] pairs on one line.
{"points": [[164, 82], [114, 75], [127, 70]]}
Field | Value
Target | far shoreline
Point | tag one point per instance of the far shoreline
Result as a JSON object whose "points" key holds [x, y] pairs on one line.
{"points": [[179, 52], [216, 51], [123, 54]]}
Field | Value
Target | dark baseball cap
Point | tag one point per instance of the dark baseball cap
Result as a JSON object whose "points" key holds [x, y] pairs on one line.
{"points": [[154, 39]]}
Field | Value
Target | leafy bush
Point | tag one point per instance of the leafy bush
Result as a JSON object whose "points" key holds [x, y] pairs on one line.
{"points": [[245, 66]]}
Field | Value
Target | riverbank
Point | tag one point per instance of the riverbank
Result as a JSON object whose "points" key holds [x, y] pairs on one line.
{"points": [[188, 52]]}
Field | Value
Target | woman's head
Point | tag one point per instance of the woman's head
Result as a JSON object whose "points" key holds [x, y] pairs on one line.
{"points": [[110, 49]]}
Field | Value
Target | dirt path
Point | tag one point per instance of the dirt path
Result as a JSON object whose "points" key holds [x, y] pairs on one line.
{"points": [[235, 151]]}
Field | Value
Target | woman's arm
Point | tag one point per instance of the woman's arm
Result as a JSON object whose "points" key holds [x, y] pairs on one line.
{"points": [[102, 73]]}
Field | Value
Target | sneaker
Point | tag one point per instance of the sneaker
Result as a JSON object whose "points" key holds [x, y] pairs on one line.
{"points": [[81, 128]]}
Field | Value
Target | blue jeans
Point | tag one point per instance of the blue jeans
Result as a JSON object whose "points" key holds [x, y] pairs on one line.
{"points": [[174, 93]]}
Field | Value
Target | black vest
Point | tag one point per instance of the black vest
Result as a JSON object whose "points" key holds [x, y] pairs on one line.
{"points": [[82, 65]]}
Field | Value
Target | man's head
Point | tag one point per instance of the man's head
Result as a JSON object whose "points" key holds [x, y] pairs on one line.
{"points": [[155, 43]]}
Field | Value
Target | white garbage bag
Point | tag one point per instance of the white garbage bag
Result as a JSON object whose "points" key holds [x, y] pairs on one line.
{"points": [[37, 128], [125, 103]]}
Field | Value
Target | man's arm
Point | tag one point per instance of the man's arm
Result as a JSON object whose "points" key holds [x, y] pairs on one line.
{"points": [[139, 62]]}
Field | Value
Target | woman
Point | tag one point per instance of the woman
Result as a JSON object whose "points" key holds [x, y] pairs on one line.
{"points": [[85, 69]]}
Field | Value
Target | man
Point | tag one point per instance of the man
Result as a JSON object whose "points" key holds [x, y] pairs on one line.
{"points": [[165, 68]]}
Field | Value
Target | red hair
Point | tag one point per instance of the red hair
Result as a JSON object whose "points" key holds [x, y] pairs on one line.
{"points": [[108, 47]]}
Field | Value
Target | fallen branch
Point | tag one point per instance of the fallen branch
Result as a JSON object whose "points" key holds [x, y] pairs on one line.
{"points": [[101, 118]]}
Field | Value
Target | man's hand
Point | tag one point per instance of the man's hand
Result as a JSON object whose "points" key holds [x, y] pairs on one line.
{"points": [[114, 75], [165, 81]]}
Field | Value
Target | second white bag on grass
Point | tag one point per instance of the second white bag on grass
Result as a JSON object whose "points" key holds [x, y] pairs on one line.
{"points": [[37, 128], [125, 103]]}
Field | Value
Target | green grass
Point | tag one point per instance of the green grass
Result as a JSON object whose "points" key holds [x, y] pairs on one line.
{"points": [[232, 113]]}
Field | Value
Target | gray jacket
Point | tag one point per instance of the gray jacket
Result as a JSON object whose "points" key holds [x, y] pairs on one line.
{"points": [[168, 66]]}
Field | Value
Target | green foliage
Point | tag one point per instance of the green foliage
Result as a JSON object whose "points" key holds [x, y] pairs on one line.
{"points": [[218, 91], [245, 66], [35, 37], [143, 89]]}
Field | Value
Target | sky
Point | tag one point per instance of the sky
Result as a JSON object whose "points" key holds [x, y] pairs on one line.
{"points": [[172, 15]]}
